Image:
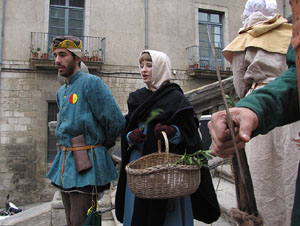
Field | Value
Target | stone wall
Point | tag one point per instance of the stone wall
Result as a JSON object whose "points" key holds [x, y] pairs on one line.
{"points": [[23, 127]]}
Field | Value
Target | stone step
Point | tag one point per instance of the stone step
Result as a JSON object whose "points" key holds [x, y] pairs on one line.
{"points": [[37, 215]]}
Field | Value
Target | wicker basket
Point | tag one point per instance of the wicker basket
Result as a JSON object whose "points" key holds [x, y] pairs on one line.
{"points": [[155, 176]]}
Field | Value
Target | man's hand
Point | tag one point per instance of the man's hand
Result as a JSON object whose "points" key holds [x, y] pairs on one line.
{"points": [[245, 121]]}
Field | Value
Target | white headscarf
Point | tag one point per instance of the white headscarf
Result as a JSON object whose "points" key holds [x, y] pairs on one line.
{"points": [[161, 69], [258, 11]]}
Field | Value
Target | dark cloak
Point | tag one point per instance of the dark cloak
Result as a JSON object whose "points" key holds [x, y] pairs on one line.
{"points": [[176, 111]]}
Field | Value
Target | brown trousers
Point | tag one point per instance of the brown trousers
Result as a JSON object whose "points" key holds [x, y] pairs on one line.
{"points": [[76, 206]]}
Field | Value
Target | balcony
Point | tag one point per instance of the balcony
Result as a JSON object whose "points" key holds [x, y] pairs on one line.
{"points": [[41, 57], [202, 64]]}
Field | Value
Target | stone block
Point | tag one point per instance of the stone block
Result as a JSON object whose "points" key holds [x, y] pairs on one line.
{"points": [[58, 217], [16, 87], [18, 114], [37, 93], [131, 80], [3, 120], [13, 120], [21, 140], [6, 127], [27, 94], [26, 107], [20, 127], [7, 113], [24, 121], [9, 106], [14, 93], [4, 140]]}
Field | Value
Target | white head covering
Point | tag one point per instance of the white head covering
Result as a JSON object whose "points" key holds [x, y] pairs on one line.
{"points": [[83, 68], [77, 52], [161, 69], [258, 11]]}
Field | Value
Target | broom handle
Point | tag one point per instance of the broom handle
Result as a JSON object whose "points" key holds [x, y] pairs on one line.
{"points": [[241, 168]]}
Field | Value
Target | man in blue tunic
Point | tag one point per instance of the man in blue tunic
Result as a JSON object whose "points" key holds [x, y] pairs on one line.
{"points": [[89, 121]]}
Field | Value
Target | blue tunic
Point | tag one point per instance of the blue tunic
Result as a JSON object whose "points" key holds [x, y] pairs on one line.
{"points": [[86, 106]]}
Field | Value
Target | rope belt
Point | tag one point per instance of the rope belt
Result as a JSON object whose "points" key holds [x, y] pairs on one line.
{"points": [[65, 149], [256, 84]]}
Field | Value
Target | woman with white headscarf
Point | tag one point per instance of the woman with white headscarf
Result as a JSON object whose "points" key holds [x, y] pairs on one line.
{"points": [[180, 123], [257, 56]]}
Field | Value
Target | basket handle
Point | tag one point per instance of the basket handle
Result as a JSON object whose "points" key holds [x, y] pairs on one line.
{"points": [[166, 143]]}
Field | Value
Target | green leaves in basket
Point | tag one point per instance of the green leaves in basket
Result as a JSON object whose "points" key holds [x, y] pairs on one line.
{"points": [[199, 158]]}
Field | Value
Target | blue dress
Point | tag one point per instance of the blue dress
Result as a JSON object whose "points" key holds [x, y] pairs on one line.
{"points": [[86, 106], [181, 215]]}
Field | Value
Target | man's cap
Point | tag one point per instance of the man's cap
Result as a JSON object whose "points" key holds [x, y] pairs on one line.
{"points": [[71, 43]]}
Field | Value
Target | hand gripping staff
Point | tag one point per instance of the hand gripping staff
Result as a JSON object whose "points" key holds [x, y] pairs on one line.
{"points": [[246, 214]]}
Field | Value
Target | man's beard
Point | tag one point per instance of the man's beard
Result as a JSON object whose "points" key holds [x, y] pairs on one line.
{"points": [[69, 69]]}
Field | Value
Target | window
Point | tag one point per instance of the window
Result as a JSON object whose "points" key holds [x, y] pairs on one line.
{"points": [[52, 116], [213, 21], [66, 17]]}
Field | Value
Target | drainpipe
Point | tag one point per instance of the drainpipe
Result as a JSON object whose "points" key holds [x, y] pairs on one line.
{"points": [[284, 9], [146, 24], [2, 37]]}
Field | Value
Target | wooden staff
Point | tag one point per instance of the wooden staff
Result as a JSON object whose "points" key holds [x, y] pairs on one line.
{"points": [[247, 213], [296, 38]]}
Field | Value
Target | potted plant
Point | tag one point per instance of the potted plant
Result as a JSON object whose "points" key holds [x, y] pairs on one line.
{"points": [[85, 56], [100, 54], [97, 55], [45, 56], [35, 52], [194, 62]]}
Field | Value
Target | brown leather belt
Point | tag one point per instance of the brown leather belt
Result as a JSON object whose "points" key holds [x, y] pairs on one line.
{"points": [[80, 148], [65, 149]]}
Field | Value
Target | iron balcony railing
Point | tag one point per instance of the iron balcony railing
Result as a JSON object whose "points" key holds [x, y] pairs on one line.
{"points": [[92, 47], [200, 57]]}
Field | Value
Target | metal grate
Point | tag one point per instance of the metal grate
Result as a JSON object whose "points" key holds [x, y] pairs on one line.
{"points": [[52, 147], [92, 47]]}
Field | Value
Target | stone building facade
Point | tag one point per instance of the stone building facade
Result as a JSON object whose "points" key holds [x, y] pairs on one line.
{"points": [[28, 85]]}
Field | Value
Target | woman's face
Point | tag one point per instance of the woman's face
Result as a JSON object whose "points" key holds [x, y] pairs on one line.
{"points": [[146, 71]]}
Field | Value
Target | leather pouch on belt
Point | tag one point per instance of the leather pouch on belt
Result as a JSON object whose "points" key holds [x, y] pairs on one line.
{"points": [[82, 160]]}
